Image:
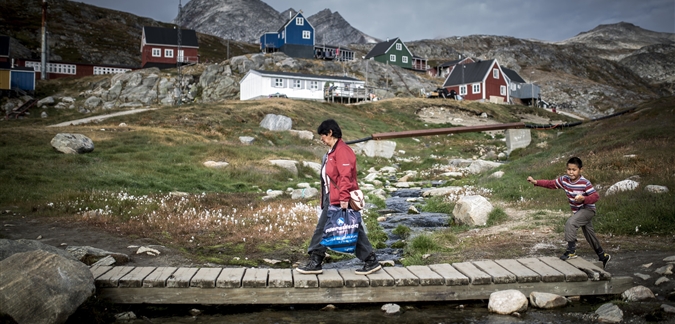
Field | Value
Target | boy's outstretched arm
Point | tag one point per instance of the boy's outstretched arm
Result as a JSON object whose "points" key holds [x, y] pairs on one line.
{"points": [[550, 184], [531, 180]]}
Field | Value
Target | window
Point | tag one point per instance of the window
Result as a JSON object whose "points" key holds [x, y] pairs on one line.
{"points": [[168, 53], [299, 21], [502, 90], [54, 67], [314, 85], [404, 59], [495, 73], [156, 52], [513, 87], [462, 90], [181, 56], [392, 58], [475, 88], [306, 34], [278, 82], [297, 84], [283, 34], [108, 70], [399, 47]]}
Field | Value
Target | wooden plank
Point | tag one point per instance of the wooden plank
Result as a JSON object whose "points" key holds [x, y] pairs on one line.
{"points": [[450, 274], [547, 273], [205, 278], [571, 272], [158, 277], [476, 276], [112, 277], [304, 280], [398, 294], [498, 273], [352, 279], [135, 278], [427, 276], [330, 278], [97, 271], [381, 279], [280, 278], [594, 272], [255, 278], [230, 278], [523, 273], [402, 276], [181, 278]]}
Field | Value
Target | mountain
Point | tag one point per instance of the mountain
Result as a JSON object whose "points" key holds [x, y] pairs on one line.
{"points": [[620, 36], [247, 20]]}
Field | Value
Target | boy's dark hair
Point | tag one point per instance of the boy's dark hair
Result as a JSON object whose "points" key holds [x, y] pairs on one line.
{"points": [[329, 125], [576, 161]]}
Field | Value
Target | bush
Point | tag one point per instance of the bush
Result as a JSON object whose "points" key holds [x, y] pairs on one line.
{"points": [[402, 231], [496, 217]]}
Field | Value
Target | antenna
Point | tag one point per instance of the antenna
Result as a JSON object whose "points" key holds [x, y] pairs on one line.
{"points": [[179, 57]]}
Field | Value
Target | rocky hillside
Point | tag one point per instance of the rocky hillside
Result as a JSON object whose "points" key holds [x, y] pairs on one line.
{"points": [[84, 33], [246, 20]]}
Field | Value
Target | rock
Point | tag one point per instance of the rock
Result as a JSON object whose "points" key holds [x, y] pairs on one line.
{"points": [[497, 174], [44, 114], [507, 301], [276, 122], [517, 138], [302, 134], [391, 309], [609, 313], [304, 193], [246, 140], [92, 102], [402, 185], [480, 166], [72, 143], [107, 261], [472, 210], [453, 174], [42, 287], [656, 189], [126, 316], [638, 293], [546, 300], [90, 255], [68, 100], [413, 210], [661, 280], [383, 149], [10, 247], [646, 265], [215, 165], [665, 270], [272, 194], [443, 191], [303, 185], [195, 312], [370, 177], [147, 250], [329, 307], [669, 259], [668, 309], [502, 156], [45, 101], [642, 276], [625, 185], [289, 165], [312, 165]]}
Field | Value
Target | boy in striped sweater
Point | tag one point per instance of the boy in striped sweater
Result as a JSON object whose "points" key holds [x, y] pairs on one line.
{"points": [[582, 197]]}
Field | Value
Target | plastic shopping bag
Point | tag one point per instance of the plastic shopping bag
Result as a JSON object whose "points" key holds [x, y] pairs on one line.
{"points": [[341, 230]]}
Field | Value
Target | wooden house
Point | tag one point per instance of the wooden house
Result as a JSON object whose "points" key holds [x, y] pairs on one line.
{"points": [[61, 69], [481, 80], [257, 84], [4, 48], [14, 77], [520, 89], [295, 38], [159, 47], [395, 52]]}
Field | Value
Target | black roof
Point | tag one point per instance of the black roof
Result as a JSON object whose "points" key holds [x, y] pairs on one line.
{"points": [[473, 72], [381, 48], [513, 75], [306, 75], [169, 36], [4, 45], [455, 62]]}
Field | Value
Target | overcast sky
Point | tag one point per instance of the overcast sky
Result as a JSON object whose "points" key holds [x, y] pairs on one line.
{"points": [[549, 20]]}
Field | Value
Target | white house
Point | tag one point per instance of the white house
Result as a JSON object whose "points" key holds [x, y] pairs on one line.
{"points": [[261, 84]]}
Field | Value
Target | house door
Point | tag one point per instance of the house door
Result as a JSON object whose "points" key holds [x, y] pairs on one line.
{"points": [[180, 56]]}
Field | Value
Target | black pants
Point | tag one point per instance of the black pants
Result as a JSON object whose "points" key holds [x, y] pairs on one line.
{"points": [[363, 247]]}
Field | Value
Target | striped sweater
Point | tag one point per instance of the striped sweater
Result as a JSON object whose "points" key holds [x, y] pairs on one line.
{"points": [[580, 187]]}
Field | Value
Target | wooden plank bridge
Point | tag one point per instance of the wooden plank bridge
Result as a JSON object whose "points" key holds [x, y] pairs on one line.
{"points": [[437, 282]]}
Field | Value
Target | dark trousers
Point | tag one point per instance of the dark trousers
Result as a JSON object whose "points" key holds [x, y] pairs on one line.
{"points": [[582, 218], [363, 247]]}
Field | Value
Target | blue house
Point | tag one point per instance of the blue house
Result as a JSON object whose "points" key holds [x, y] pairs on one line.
{"points": [[295, 38]]}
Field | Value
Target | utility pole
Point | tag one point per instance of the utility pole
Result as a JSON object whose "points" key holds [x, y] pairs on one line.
{"points": [[43, 49], [178, 56]]}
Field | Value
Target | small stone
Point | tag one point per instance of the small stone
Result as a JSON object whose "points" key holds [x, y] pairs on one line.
{"points": [[668, 259], [661, 280], [39, 237], [145, 249], [126, 316], [329, 307], [391, 308], [123, 125], [665, 270], [64, 244], [646, 265], [668, 309], [609, 313], [642, 276], [195, 312], [271, 261]]}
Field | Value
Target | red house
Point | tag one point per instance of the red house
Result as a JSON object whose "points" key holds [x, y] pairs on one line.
{"points": [[159, 47], [481, 80]]}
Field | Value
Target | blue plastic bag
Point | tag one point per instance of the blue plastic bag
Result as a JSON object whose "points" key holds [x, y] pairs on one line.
{"points": [[341, 230]]}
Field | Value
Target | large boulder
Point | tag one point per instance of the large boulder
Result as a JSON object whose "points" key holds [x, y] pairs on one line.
{"points": [[637, 293], [507, 302], [72, 143], [10, 247], [625, 185], [547, 300], [289, 165], [383, 149], [609, 313], [472, 210], [42, 287], [276, 122]]}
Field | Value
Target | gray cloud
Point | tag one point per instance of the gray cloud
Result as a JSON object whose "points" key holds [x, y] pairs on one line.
{"points": [[425, 19]]}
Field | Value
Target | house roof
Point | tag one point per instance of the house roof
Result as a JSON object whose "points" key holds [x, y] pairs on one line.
{"points": [[513, 75], [169, 36], [303, 75], [455, 62], [4, 45], [381, 48], [473, 72], [299, 13]]}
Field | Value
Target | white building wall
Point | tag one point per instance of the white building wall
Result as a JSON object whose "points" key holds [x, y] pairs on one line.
{"points": [[255, 86], [251, 87]]}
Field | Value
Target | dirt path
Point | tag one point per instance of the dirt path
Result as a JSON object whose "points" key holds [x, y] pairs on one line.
{"points": [[100, 117]]}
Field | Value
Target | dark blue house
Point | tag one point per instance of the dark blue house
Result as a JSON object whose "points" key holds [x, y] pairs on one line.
{"points": [[295, 38]]}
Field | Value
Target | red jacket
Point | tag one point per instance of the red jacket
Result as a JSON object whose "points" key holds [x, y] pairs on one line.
{"points": [[341, 170]]}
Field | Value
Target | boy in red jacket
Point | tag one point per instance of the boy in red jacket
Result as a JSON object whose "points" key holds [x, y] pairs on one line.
{"points": [[582, 197]]}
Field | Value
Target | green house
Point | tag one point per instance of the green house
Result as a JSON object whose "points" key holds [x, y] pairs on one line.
{"points": [[395, 52]]}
